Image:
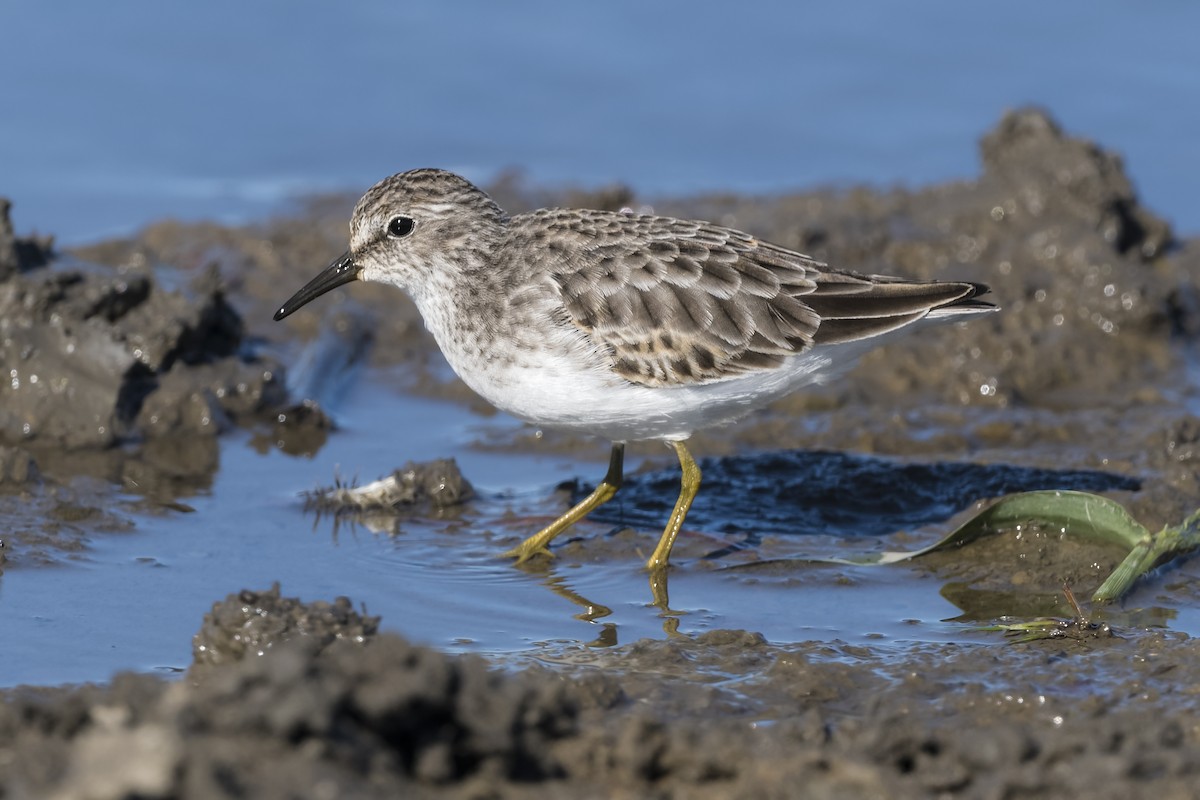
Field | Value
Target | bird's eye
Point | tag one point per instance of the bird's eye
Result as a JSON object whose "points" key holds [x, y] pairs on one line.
{"points": [[400, 227]]}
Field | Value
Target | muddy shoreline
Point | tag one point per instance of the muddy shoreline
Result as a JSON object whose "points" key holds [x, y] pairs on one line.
{"points": [[126, 360]]}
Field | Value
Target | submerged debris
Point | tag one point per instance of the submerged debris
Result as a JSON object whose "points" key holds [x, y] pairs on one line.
{"points": [[1078, 627], [438, 484]]}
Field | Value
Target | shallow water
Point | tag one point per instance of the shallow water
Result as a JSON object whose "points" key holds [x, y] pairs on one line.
{"points": [[132, 601], [141, 595]]}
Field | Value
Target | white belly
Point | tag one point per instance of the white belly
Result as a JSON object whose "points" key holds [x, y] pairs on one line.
{"points": [[554, 377], [599, 403]]}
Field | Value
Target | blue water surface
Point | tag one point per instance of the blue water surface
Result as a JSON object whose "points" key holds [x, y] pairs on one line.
{"points": [[113, 115]]}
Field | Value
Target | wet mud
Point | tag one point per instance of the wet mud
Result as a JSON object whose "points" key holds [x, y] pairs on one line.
{"points": [[125, 374], [343, 712], [146, 349], [800, 493]]}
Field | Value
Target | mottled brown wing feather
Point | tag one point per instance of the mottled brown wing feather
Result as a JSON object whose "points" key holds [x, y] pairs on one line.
{"points": [[681, 302], [678, 302]]}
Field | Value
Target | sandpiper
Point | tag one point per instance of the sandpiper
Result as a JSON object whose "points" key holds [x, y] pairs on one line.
{"points": [[624, 326]]}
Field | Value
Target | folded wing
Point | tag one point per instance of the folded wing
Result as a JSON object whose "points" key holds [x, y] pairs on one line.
{"points": [[676, 302]]}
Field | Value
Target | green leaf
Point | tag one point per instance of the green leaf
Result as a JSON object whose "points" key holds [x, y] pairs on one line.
{"points": [[1080, 514], [1077, 513]]}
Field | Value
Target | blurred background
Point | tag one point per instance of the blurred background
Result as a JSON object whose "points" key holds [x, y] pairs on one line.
{"points": [[114, 115]]}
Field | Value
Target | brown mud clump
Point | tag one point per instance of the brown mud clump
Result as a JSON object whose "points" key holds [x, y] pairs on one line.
{"points": [[100, 357], [249, 624], [108, 374]]}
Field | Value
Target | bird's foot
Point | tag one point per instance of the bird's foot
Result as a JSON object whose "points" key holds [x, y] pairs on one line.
{"points": [[526, 550]]}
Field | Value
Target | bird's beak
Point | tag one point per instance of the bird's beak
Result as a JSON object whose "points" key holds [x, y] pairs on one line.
{"points": [[343, 270]]}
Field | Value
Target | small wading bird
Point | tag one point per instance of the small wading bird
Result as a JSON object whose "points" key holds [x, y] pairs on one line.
{"points": [[623, 326]]}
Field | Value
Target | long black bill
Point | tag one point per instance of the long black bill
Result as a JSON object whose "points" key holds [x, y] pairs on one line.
{"points": [[341, 271]]}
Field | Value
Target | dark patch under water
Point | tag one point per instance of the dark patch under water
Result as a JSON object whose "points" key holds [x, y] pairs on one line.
{"points": [[840, 494]]}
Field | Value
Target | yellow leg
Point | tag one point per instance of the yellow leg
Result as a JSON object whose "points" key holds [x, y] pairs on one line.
{"points": [[538, 544], [689, 486]]}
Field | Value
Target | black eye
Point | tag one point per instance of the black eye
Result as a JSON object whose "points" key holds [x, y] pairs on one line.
{"points": [[400, 227]]}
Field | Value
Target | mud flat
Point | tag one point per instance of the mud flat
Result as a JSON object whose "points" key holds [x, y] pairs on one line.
{"points": [[145, 350], [344, 712]]}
